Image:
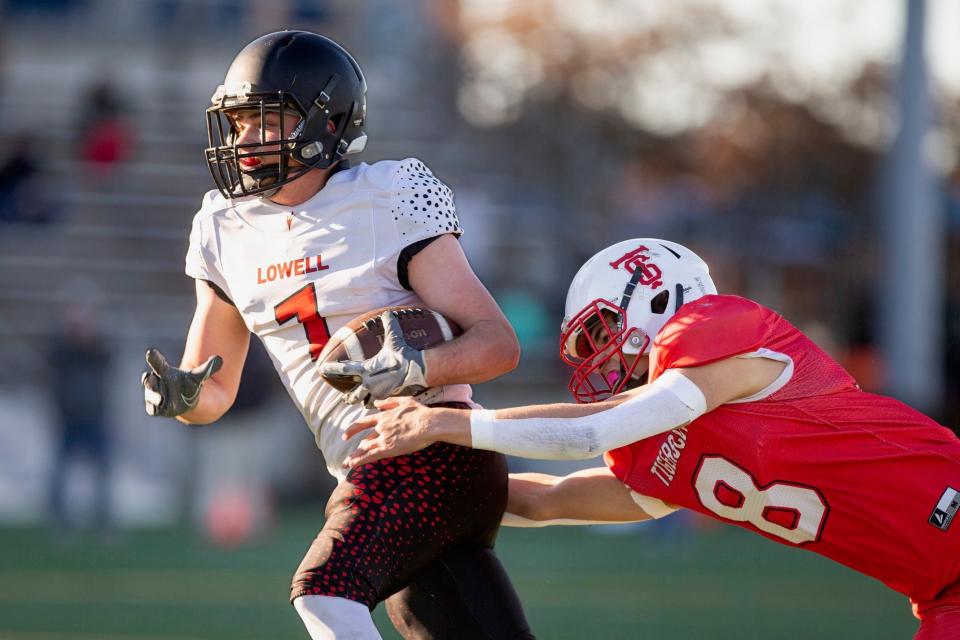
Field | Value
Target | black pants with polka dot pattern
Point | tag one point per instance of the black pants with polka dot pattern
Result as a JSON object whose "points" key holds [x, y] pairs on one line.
{"points": [[419, 529]]}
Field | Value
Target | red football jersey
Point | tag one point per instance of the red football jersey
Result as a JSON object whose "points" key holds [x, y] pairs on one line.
{"points": [[862, 479]]}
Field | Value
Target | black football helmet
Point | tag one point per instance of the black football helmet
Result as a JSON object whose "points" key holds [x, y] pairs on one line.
{"points": [[286, 72]]}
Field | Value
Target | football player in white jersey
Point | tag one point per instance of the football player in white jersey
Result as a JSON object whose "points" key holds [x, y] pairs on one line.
{"points": [[293, 244]]}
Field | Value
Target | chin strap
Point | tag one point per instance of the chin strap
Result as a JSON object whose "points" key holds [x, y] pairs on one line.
{"points": [[627, 294], [255, 179], [264, 177]]}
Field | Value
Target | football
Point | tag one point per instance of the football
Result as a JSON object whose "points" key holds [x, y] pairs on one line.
{"points": [[362, 337]]}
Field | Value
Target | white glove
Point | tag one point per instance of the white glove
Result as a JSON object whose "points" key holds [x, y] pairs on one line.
{"points": [[396, 370]]}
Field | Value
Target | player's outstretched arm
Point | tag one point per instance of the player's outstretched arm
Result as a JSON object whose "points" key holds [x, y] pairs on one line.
{"points": [[550, 432], [566, 432], [205, 384], [406, 425], [442, 277], [588, 496]]}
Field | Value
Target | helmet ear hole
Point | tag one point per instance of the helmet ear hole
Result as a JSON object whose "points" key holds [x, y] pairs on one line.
{"points": [[659, 303]]}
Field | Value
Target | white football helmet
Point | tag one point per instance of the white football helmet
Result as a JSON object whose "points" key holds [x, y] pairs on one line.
{"points": [[617, 303]]}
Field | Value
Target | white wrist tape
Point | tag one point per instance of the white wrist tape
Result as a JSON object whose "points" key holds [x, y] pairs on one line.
{"points": [[671, 401], [483, 424]]}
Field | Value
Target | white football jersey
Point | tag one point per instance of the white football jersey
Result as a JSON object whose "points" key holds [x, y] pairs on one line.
{"points": [[297, 274]]}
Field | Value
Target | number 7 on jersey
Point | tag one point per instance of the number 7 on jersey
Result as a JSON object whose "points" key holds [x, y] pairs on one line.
{"points": [[302, 305]]}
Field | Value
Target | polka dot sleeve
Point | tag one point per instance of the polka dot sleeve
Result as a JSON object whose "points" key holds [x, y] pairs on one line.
{"points": [[422, 206]]}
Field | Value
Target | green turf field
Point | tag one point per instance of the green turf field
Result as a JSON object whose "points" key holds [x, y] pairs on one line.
{"points": [[575, 583]]}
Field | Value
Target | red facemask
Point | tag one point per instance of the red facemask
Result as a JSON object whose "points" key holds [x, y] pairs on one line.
{"points": [[591, 340]]}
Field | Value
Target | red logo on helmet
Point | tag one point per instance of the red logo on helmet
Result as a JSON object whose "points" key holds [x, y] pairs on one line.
{"points": [[651, 276]]}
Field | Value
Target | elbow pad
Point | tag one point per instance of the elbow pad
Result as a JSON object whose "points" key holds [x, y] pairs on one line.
{"points": [[671, 401]]}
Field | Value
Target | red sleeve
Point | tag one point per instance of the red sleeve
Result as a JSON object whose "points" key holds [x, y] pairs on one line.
{"points": [[709, 329]]}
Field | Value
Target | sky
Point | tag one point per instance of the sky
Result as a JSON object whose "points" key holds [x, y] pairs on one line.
{"points": [[809, 49]]}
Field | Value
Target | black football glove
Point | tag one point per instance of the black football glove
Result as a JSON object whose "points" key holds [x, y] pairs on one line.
{"points": [[169, 391], [397, 370]]}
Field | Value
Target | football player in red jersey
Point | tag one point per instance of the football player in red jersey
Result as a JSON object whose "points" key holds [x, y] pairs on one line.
{"points": [[718, 404]]}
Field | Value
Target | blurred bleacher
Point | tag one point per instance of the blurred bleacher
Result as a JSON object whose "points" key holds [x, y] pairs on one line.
{"points": [[126, 232], [120, 235]]}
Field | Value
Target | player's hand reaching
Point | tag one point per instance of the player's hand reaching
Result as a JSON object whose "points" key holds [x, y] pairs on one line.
{"points": [[169, 391], [403, 426], [397, 370]]}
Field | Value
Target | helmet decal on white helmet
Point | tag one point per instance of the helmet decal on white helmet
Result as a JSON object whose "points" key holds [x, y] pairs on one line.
{"points": [[638, 260], [617, 303]]}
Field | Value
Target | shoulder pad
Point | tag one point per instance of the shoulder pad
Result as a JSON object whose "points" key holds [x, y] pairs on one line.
{"points": [[422, 206], [377, 176], [709, 329], [213, 200]]}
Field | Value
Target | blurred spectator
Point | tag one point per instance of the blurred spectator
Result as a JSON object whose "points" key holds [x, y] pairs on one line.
{"points": [[104, 136], [79, 360], [21, 194]]}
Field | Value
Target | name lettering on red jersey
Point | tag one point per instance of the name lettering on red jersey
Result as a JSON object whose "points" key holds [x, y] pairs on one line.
{"points": [[651, 275], [665, 466], [290, 268]]}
